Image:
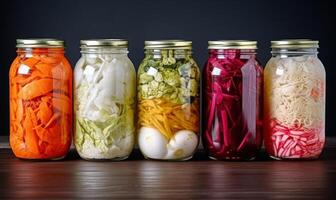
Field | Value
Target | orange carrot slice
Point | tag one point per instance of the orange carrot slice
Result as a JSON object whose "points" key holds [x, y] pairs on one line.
{"points": [[168, 117], [45, 69], [62, 104], [31, 62], [44, 113], [19, 111], [31, 139], [50, 60], [36, 88]]}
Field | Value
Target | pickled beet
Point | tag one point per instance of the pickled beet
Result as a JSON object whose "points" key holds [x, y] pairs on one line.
{"points": [[232, 107]]}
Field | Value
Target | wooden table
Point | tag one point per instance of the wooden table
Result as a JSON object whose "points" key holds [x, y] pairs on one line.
{"points": [[199, 178]]}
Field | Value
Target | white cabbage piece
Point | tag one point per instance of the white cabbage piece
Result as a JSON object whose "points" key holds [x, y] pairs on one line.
{"points": [[104, 106]]}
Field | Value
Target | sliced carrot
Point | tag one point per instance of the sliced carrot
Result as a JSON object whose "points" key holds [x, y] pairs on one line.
{"points": [[36, 88], [47, 135], [53, 119], [66, 130], [55, 132], [42, 133], [14, 67], [44, 69], [19, 111], [50, 60], [62, 103], [44, 113], [168, 117], [41, 104], [31, 139], [31, 62]]}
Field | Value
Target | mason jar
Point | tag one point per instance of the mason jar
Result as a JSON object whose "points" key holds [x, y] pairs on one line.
{"points": [[232, 103], [168, 101], [104, 92], [40, 85], [294, 94]]}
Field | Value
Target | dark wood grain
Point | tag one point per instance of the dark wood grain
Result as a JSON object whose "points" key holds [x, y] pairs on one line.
{"points": [[199, 178]]}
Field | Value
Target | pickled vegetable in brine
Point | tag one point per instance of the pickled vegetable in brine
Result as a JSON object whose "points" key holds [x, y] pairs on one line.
{"points": [[40, 104], [168, 103], [232, 103]]}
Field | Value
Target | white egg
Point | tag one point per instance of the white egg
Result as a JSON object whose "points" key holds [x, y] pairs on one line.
{"points": [[182, 144], [152, 143]]}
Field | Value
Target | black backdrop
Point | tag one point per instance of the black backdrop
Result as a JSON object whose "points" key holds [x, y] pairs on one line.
{"points": [[196, 20]]}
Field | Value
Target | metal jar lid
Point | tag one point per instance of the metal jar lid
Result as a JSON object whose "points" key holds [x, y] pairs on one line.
{"points": [[168, 44], [97, 43], [232, 44], [294, 44], [39, 43]]}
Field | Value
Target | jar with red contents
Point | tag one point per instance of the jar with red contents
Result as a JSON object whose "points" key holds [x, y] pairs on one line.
{"points": [[232, 93]]}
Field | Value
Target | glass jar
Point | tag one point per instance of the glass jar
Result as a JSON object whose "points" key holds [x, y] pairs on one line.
{"points": [[40, 84], [104, 92], [294, 109], [168, 101], [232, 100]]}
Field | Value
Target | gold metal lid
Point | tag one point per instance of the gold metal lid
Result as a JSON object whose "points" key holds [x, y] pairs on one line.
{"points": [[168, 44], [118, 43], [294, 44], [232, 44], [40, 42]]}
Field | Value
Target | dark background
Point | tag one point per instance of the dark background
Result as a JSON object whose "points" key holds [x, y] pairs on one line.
{"points": [[196, 20]]}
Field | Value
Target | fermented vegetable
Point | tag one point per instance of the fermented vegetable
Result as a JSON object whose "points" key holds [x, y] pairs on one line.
{"points": [[40, 101], [104, 101], [168, 104], [232, 101], [295, 106]]}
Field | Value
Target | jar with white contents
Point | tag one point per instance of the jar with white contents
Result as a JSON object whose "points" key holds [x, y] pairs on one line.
{"points": [[294, 95], [104, 93]]}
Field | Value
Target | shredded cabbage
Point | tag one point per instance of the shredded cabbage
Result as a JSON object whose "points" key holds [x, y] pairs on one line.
{"points": [[294, 91], [104, 106]]}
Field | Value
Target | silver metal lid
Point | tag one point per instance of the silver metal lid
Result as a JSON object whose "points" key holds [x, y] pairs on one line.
{"points": [[294, 44], [39, 42], [232, 44], [95, 43], [168, 44]]}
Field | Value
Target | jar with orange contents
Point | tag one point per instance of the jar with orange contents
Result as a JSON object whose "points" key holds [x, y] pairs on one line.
{"points": [[40, 84]]}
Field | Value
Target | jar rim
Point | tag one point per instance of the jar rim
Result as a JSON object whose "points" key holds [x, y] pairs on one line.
{"points": [[232, 44], [98, 43], [168, 44], [294, 44], [39, 42]]}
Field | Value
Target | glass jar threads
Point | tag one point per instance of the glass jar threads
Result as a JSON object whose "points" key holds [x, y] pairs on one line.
{"points": [[40, 83], [168, 101], [104, 94], [232, 100], [294, 94]]}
